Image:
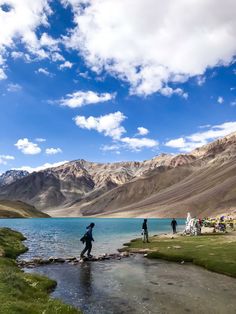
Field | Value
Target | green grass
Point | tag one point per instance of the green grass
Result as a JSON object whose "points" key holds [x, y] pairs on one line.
{"points": [[21, 292], [215, 252]]}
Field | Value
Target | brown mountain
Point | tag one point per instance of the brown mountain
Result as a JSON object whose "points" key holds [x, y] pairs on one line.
{"points": [[17, 209], [203, 182]]}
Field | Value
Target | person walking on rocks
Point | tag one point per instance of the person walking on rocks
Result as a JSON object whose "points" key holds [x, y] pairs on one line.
{"points": [[145, 231], [173, 225], [87, 239]]}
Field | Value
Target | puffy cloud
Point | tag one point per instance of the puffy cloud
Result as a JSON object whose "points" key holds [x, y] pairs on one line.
{"points": [[53, 151], [21, 55], [27, 147], [3, 75], [14, 87], [188, 143], [109, 125], [4, 159], [142, 131], [80, 98], [20, 23], [136, 144], [56, 56], [66, 64], [220, 100], [201, 79], [49, 42], [42, 167], [44, 71], [154, 43]]}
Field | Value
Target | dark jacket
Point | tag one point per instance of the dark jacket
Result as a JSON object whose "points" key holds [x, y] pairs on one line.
{"points": [[89, 234], [144, 227], [173, 223]]}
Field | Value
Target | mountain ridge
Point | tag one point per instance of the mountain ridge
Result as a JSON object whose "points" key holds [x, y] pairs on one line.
{"points": [[83, 188]]}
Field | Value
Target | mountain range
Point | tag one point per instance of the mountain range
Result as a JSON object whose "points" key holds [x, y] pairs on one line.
{"points": [[202, 182]]}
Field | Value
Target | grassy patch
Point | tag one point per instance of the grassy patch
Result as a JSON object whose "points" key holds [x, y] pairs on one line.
{"points": [[215, 252], [21, 292]]}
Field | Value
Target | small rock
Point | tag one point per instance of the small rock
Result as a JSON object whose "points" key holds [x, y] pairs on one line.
{"points": [[176, 246], [71, 259], [182, 262], [125, 254], [59, 260]]}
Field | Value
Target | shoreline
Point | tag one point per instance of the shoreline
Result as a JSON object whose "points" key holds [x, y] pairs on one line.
{"points": [[22, 292], [214, 252]]}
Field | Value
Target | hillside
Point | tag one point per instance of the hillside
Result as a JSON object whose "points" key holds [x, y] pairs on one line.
{"points": [[18, 209], [11, 176], [203, 182]]}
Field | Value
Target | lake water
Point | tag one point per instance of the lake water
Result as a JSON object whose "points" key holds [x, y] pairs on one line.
{"points": [[132, 285], [60, 236]]}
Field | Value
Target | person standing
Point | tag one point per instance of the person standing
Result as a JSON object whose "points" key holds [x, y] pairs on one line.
{"points": [[173, 225], [88, 238], [145, 231]]}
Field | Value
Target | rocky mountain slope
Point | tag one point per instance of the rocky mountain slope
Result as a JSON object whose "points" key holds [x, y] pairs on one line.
{"points": [[17, 209], [203, 181], [11, 176]]}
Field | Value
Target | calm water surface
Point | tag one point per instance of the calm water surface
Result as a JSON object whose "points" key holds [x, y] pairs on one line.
{"points": [[133, 285], [60, 236]]}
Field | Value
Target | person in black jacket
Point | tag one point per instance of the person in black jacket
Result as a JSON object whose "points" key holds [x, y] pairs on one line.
{"points": [[145, 231], [88, 238], [173, 225]]}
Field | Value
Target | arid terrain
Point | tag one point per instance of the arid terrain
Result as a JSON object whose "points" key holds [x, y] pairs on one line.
{"points": [[18, 209], [203, 182]]}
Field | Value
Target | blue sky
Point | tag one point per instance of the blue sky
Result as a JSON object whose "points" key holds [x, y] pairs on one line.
{"points": [[109, 81]]}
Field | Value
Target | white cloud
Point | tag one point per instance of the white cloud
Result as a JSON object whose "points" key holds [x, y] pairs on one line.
{"points": [[20, 23], [66, 64], [43, 71], [220, 100], [27, 147], [56, 56], [142, 131], [233, 103], [53, 151], [109, 125], [84, 75], [136, 144], [40, 140], [168, 91], [201, 79], [42, 167], [154, 43], [204, 126], [3, 75], [188, 143], [4, 159], [49, 42], [14, 87], [21, 55], [113, 147], [80, 99]]}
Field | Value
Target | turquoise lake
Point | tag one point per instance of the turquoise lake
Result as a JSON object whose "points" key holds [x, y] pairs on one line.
{"points": [[61, 236], [134, 285]]}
